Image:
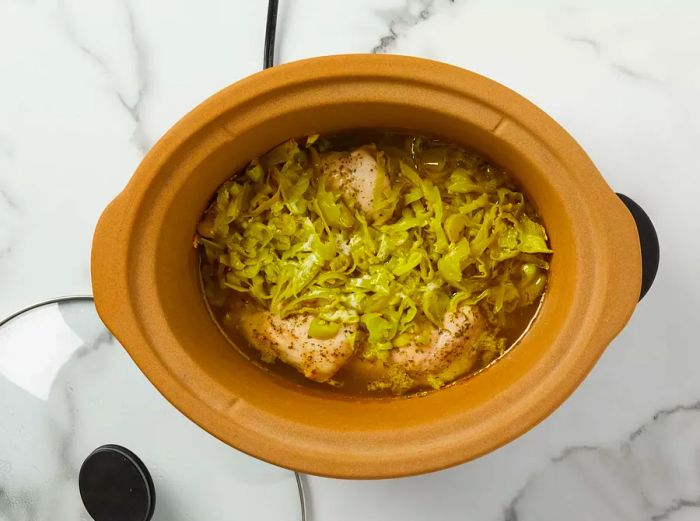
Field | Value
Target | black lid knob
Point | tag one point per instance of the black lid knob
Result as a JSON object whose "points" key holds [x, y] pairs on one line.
{"points": [[115, 485]]}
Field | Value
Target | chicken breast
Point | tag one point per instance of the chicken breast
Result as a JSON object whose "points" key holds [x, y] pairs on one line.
{"points": [[448, 355], [355, 174], [288, 340], [448, 350]]}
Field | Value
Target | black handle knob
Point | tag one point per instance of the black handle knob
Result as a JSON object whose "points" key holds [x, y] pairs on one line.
{"points": [[648, 241], [115, 485]]}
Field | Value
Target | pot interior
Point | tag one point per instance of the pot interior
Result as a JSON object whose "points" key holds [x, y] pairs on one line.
{"points": [[177, 277]]}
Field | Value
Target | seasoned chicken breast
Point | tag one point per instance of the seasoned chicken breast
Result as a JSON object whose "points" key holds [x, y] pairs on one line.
{"points": [[355, 174], [446, 347], [447, 355], [288, 340]]}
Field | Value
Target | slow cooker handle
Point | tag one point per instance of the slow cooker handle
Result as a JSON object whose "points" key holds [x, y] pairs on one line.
{"points": [[648, 242]]}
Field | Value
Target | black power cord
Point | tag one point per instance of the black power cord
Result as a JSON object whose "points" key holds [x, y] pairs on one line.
{"points": [[270, 29]]}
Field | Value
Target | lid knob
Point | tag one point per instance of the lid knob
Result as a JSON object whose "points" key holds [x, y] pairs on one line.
{"points": [[115, 485]]}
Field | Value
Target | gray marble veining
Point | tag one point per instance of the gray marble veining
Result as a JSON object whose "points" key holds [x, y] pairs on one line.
{"points": [[131, 101], [399, 20], [650, 477]]}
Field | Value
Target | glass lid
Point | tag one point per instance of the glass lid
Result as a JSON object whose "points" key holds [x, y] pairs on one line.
{"points": [[68, 388]]}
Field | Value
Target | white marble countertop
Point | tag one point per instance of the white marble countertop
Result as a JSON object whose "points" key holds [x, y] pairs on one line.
{"points": [[87, 86]]}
